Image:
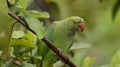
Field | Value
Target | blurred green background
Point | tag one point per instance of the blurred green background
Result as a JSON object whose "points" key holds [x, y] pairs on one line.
{"points": [[102, 23]]}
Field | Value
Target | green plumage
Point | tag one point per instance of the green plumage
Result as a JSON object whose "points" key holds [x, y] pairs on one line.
{"points": [[61, 33]]}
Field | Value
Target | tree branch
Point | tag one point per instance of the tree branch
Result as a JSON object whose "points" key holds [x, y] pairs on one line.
{"points": [[58, 52], [18, 19], [48, 43]]}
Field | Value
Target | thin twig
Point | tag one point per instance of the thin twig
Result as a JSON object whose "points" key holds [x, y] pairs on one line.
{"points": [[17, 62], [48, 43], [20, 21], [10, 32]]}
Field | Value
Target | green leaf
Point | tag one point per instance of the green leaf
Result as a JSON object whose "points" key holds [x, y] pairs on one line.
{"points": [[38, 14], [22, 3], [18, 34], [8, 63], [6, 20], [22, 43], [12, 1], [19, 9], [37, 57], [115, 59], [88, 61], [5, 23], [36, 26], [59, 64], [78, 58], [30, 36], [78, 46], [25, 64], [36, 60]]}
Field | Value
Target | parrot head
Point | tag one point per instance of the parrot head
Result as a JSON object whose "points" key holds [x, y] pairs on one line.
{"points": [[79, 23]]}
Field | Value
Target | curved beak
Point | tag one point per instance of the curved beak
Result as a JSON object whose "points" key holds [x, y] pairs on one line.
{"points": [[81, 26]]}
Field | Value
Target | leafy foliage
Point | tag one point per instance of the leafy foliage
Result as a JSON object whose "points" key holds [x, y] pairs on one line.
{"points": [[5, 24], [116, 59], [36, 26], [20, 47]]}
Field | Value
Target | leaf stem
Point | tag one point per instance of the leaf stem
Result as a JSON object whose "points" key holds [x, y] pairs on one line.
{"points": [[10, 32]]}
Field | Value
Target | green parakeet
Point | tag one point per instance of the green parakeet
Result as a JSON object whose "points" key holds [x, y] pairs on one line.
{"points": [[61, 33]]}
